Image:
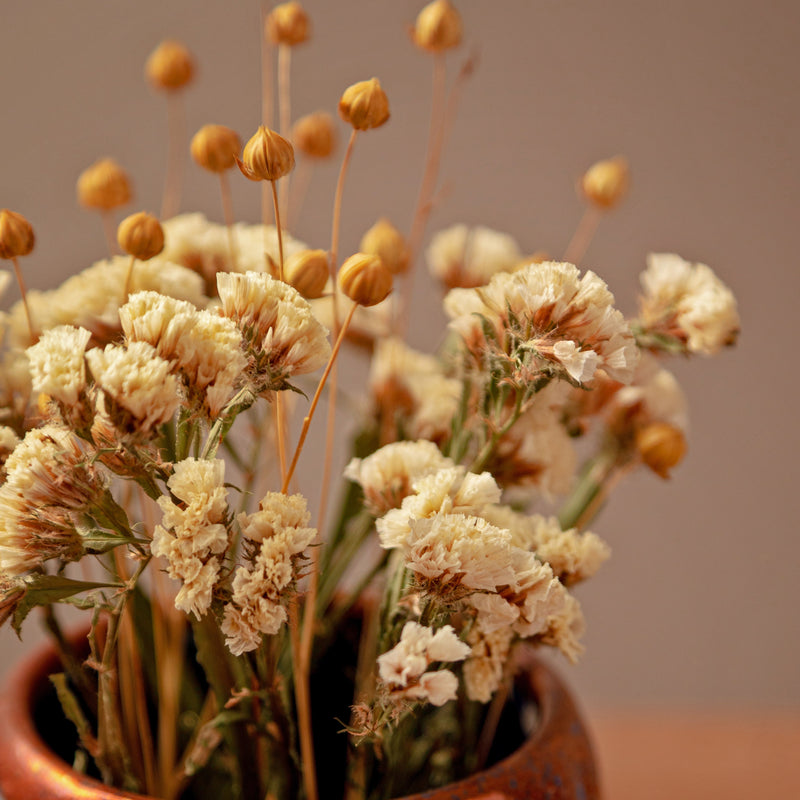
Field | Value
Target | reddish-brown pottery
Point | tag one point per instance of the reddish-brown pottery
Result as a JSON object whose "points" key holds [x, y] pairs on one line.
{"points": [[554, 763]]}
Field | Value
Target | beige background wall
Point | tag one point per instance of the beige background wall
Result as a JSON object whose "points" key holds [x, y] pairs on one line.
{"points": [[700, 602]]}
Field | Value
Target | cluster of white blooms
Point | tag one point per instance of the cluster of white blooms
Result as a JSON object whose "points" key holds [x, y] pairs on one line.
{"points": [[483, 670], [460, 256], [689, 303], [281, 334], [412, 387], [193, 535], [204, 247], [549, 313], [138, 380], [57, 363], [387, 475], [205, 349], [280, 534], [49, 481], [91, 299], [403, 668]]}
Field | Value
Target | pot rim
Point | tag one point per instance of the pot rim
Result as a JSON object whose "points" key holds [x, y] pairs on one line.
{"points": [[559, 729]]}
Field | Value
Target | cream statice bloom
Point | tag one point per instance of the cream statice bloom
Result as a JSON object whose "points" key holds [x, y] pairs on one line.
{"points": [[450, 490], [57, 363], [205, 349], [545, 319], [277, 536], [565, 628], [388, 474], [193, 535], [483, 670], [460, 256], [92, 298], [688, 304], [135, 378], [50, 483], [281, 335], [411, 393], [403, 668], [204, 247]]}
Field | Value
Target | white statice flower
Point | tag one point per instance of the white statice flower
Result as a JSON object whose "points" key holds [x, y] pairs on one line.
{"points": [[15, 384], [403, 668], [138, 380], [387, 475], [411, 391], [282, 336], [450, 490], [565, 629], [92, 298], [484, 668], [546, 316], [57, 363], [50, 482], [193, 535], [204, 348], [8, 439], [276, 538], [688, 303], [204, 247], [469, 257]]}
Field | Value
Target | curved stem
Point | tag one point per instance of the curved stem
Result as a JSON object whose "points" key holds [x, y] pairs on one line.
{"points": [[582, 238], [24, 293], [276, 206], [285, 105], [176, 124], [129, 278]]}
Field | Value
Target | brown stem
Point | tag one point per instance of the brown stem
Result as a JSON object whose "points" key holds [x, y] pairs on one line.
{"points": [[303, 700], [582, 238], [285, 105], [276, 206], [494, 713], [176, 124], [337, 218], [315, 400], [280, 433], [110, 231], [24, 293], [129, 278], [227, 213], [266, 70]]}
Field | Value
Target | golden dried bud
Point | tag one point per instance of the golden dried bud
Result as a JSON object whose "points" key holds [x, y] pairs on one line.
{"points": [[16, 235], [364, 105], [385, 241], [661, 446], [438, 27], [267, 156], [365, 279], [307, 271], [288, 23], [314, 135], [215, 147], [104, 185], [170, 66], [606, 182], [141, 235]]}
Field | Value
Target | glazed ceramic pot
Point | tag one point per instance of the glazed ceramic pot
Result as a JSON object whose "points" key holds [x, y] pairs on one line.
{"points": [[554, 762]]}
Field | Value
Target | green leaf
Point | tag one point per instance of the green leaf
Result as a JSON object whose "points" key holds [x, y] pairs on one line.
{"points": [[43, 590]]}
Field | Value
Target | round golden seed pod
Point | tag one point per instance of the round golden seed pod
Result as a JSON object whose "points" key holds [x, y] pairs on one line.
{"points": [[170, 66], [141, 235], [605, 183], [104, 185], [662, 446], [307, 271], [215, 147], [16, 235], [438, 27], [365, 279], [386, 242], [288, 23], [315, 135], [267, 156], [364, 105]]}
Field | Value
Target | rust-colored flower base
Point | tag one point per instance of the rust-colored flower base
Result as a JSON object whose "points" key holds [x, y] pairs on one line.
{"points": [[554, 763]]}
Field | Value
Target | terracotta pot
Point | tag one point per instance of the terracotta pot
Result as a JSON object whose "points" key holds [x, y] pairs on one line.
{"points": [[555, 762]]}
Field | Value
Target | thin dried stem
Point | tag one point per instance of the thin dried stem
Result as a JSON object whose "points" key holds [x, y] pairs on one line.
{"points": [[276, 206], [227, 213], [24, 293], [266, 69], [337, 218], [110, 231], [494, 713], [280, 433], [582, 238], [129, 278], [176, 125], [285, 105], [315, 400], [303, 700]]}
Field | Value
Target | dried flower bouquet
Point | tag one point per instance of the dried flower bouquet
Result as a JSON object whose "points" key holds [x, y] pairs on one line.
{"points": [[150, 461]]}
